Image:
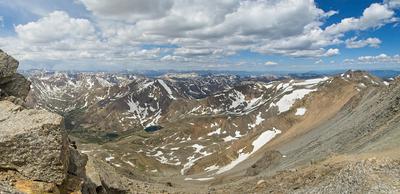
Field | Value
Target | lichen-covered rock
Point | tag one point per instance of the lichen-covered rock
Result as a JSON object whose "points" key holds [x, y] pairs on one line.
{"points": [[28, 187], [8, 65], [34, 143], [7, 189]]}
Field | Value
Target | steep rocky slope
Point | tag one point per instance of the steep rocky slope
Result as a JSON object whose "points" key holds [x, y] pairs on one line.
{"points": [[355, 151]]}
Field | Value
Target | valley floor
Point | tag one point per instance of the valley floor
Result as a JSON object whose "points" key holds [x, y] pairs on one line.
{"points": [[377, 172]]}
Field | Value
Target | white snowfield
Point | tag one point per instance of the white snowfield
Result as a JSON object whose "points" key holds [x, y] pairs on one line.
{"points": [[231, 138], [199, 179], [238, 99], [212, 168], [301, 111], [104, 82], [287, 101], [258, 121], [169, 91], [263, 139], [311, 81], [146, 114], [239, 104], [109, 158], [191, 161], [216, 132]]}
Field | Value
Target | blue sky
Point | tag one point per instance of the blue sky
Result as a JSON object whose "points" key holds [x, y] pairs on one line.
{"points": [[252, 35]]}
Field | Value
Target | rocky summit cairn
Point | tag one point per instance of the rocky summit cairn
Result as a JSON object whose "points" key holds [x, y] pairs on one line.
{"points": [[35, 152]]}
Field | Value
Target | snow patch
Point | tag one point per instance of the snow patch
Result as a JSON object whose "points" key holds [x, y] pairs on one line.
{"points": [[238, 99], [263, 139], [104, 82], [311, 81], [110, 158], [287, 101], [197, 147], [301, 111], [258, 121], [199, 179], [212, 168], [217, 132], [169, 91], [230, 138]]}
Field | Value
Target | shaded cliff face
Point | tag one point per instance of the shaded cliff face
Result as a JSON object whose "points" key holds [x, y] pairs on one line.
{"points": [[12, 83]]}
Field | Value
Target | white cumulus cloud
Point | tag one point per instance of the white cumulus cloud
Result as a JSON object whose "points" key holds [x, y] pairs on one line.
{"points": [[375, 16], [371, 42], [270, 63], [57, 26], [129, 10], [192, 31], [393, 3], [375, 59]]}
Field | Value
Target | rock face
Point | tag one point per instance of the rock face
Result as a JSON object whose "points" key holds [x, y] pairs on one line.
{"points": [[33, 143], [8, 65], [7, 189], [15, 85], [12, 83], [35, 151]]}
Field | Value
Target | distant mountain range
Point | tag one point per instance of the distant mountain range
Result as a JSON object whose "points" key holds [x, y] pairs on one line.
{"points": [[152, 73]]}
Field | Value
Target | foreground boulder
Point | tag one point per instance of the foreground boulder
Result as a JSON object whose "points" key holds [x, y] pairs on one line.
{"points": [[33, 143], [36, 155]]}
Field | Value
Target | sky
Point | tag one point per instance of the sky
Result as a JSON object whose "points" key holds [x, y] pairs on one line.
{"points": [[235, 35]]}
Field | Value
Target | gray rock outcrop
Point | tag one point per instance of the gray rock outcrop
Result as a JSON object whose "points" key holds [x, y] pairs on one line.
{"points": [[36, 155], [8, 65], [33, 143]]}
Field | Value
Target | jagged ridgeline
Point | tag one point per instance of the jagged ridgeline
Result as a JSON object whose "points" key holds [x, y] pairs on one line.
{"points": [[190, 133]]}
